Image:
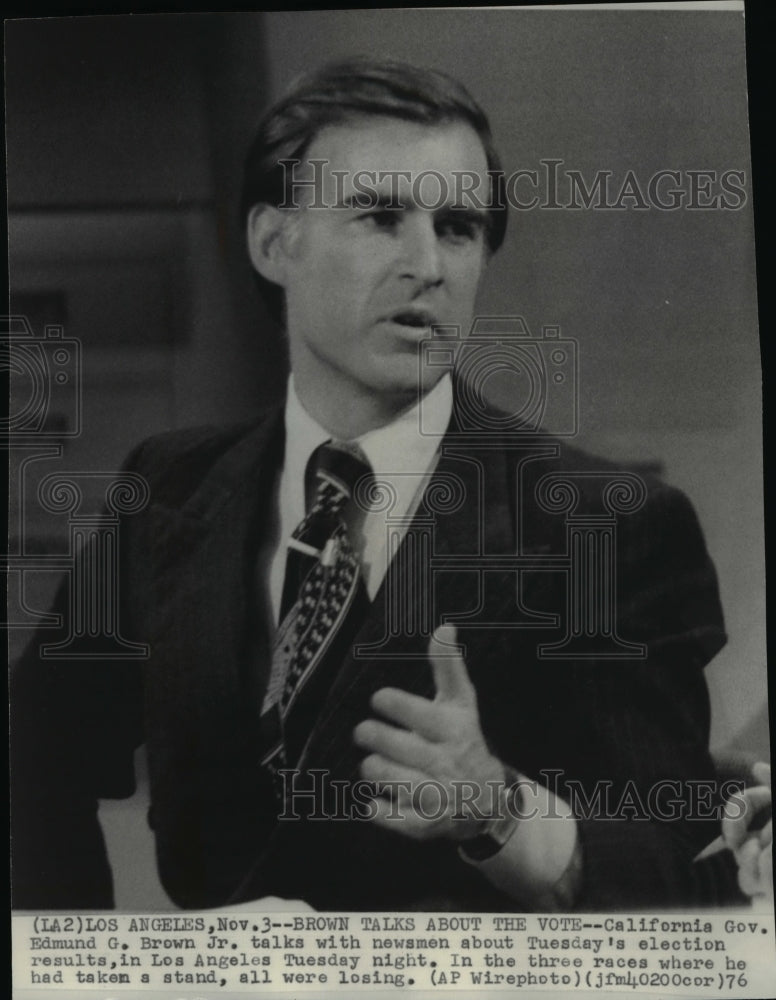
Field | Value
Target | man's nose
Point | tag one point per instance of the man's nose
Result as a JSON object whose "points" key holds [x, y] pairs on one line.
{"points": [[421, 253]]}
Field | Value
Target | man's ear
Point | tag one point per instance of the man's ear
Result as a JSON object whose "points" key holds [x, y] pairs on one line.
{"points": [[266, 242]]}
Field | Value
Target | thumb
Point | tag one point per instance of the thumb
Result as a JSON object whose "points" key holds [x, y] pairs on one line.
{"points": [[736, 828], [450, 674], [761, 773]]}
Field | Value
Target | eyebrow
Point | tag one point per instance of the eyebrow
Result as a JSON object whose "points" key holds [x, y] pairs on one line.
{"points": [[466, 212], [385, 202], [376, 201]]}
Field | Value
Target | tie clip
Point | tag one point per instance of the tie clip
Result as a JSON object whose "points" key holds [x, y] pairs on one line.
{"points": [[327, 557]]}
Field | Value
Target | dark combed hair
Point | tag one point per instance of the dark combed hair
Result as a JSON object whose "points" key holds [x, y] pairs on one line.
{"points": [[340, 92]]}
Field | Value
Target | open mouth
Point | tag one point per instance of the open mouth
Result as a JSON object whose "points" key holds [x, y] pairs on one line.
{"points": [[418, 319]]}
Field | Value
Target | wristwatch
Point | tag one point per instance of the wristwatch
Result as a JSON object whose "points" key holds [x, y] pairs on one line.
{"points": [[497, 829]]}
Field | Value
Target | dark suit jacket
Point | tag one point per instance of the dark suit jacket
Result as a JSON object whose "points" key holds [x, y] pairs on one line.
{"points": [[187, 588]]}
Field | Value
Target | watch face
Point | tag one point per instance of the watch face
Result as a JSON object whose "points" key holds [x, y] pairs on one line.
{"points": [[480, 848], [500, 828]]}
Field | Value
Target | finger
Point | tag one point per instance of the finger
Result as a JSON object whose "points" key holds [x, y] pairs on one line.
{"points": [[761, 772], [766, 834], [399, 745], [740, 810], [403, 821], [757, 798], [735, 820], [733, 832], [748, 858], [411, 711], [399, 779], [450, 674], [766, 872]]}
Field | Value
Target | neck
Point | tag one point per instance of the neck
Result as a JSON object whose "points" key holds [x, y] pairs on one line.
{"points": [[347, 411]]}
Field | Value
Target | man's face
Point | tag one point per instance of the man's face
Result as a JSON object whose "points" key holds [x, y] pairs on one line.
{"points": [[364, 285]]}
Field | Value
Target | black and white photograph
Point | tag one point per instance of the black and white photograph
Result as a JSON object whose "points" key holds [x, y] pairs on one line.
{"points": [[386, 597]]}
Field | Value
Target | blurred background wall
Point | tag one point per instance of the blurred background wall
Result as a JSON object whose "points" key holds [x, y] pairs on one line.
{"points": [[125, 143]]}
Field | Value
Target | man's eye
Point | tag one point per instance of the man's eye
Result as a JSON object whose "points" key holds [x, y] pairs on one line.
{"points": [[459, 230], [383, 219]]}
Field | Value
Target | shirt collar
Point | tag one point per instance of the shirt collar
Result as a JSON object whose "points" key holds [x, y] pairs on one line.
{"points": [[303, 436], [401, 446], [398, 447]]}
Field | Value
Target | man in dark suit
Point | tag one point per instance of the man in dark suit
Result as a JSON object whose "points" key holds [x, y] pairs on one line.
{"points": [[528, 759]]}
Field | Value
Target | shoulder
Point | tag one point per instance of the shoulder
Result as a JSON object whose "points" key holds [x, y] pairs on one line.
{"points": [[550, 479], [180, 448], [175, 463], [645, 506], [626, 486]]}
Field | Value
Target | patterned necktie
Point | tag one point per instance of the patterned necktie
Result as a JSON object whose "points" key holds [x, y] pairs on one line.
{"points": [[324, 601]]}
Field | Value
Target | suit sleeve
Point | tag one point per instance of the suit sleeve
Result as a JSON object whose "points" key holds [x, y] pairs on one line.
{"points": [[646, 795], [74, 725]]}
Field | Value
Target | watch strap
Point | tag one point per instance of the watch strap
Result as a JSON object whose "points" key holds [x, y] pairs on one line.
{"points": [[499, 828]]}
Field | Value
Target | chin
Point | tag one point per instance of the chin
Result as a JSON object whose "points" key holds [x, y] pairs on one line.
{"points": [[412, 387], [399, 379]]}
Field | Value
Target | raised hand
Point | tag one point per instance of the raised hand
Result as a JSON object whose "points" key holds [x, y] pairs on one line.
{"points": [[441, 778], [753, 849]]}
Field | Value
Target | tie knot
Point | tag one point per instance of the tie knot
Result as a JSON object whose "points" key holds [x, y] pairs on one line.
{"points": [[335, 469]]}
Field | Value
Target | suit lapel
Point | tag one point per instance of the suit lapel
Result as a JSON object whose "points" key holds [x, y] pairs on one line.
{"points": [[203, 556]]}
